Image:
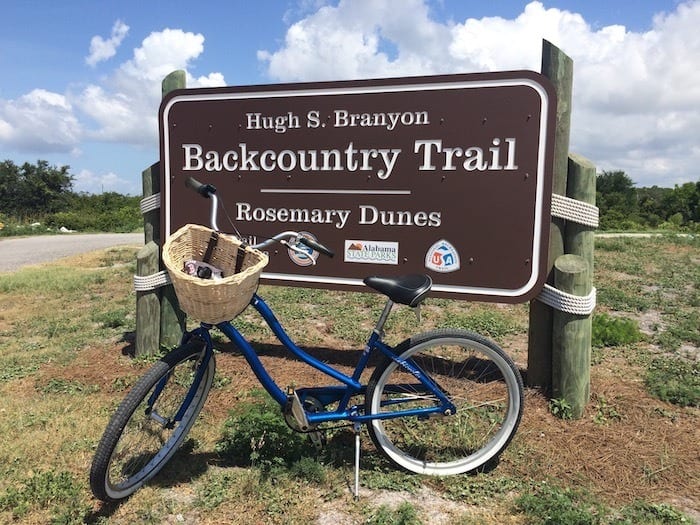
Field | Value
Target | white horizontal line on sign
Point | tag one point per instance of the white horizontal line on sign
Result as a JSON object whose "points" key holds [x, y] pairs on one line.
{"points": [[338, 192]]}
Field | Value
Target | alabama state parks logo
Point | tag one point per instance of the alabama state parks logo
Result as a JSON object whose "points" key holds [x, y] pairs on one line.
{"points": [[442, 257]]}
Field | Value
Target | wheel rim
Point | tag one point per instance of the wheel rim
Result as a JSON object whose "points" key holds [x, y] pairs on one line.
{"points": [[487, 400]]}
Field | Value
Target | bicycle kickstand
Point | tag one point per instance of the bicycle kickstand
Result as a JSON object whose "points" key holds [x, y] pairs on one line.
{"points": [[356, 428]]}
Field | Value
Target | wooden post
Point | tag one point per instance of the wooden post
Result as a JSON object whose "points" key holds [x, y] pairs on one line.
{"points": [[558, 67], [572, 337], [581, 185], [147, 263], [579, 238], [147, 303], [150, 179], [172, 319], [175, 80], [159, 320]]}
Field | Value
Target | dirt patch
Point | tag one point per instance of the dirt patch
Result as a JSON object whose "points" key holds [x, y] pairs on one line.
{"points": [[99, 366]]}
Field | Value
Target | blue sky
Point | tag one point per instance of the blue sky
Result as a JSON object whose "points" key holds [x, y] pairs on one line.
{"points": [[81, 79]]}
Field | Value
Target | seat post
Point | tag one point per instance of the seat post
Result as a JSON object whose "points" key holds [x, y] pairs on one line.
{"points": [[379, 329]]}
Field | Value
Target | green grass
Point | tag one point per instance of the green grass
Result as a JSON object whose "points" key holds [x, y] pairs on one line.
{"points": [[674, 380], [249, 465], [549, 504], [57, 492], [404, 514]]}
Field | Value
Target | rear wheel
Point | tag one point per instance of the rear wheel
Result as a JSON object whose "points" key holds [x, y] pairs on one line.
{"points": [[476, 376], [151, 422]]}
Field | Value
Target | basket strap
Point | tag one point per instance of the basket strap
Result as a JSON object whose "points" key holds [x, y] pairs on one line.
{"points": [[240, 257], [210, 247]]}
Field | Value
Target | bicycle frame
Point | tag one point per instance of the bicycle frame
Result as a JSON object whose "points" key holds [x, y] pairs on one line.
{"points": [[342, 394]]}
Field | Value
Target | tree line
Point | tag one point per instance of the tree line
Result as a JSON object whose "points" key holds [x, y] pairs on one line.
{"points": [[39, 197], [624, 207], [31, 193]]}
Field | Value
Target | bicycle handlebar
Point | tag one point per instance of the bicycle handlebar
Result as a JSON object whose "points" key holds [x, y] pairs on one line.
{"points": [[320, 248], [209, 190], [205, 190]]}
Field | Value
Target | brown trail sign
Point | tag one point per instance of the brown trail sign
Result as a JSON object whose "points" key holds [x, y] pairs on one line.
{"points": [[447, 175]]}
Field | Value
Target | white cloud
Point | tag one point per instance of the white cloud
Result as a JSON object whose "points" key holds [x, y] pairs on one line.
{"points": [[90, 182], [636, 95], [39, 121], [357, 40], [101, 49], [125, 107]]}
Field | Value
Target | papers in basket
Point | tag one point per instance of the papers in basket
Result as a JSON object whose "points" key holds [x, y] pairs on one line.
{"points": [[202, 270]]}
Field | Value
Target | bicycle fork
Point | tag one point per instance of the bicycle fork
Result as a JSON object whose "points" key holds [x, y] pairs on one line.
{"points": [[169, 423]]}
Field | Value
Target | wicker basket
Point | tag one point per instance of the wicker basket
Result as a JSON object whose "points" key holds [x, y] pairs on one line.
{"points": [[212, 301]]}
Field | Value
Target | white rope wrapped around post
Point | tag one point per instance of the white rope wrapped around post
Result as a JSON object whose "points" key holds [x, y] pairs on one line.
{"points": [[581, 213], [146, 283], [574, 210], [150, 203], [566, 302]]}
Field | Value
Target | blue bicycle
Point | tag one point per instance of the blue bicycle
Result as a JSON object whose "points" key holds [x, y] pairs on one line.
{"points": [[440, 403]]}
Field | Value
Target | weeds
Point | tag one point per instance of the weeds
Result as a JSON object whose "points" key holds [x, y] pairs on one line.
{"points": [[63, 370], [650, 513], [674, 380], [64, 386], [404, 514], [59, 492], [551, 505], [561, 408], [605, 412]]}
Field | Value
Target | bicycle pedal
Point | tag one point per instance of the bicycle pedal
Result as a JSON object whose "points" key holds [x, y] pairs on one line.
{"points": [[294, 408], [317, 439]]}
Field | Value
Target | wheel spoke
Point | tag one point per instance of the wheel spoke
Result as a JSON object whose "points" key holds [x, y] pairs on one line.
{"points": [[151, 423], [478, 379]]}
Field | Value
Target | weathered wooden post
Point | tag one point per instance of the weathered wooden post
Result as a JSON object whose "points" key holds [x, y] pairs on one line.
{"points": [[172, 319], [571, 362], [558, 67], [159, 320], [581, 186], [148, 263], [579, 240]]}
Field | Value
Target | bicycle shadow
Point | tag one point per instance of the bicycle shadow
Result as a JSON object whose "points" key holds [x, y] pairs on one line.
{"points": [[185, 467], [330, 356]]}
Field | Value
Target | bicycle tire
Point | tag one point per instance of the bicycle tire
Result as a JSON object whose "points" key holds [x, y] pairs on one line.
{"points": [[135, 445], [478, 378]]}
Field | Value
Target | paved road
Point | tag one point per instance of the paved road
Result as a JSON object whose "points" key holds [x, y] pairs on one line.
{"points": [[16, 252]]}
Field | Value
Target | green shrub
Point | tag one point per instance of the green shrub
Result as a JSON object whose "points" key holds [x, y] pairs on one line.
{"points": [[652, 513], [614, 331], [561, 408], [255, 433]]}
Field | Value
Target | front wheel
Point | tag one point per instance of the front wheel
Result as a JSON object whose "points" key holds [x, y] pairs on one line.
{"points": [[151, 422], [476, 376]]}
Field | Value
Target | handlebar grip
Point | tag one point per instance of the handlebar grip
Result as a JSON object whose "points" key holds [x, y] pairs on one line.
{"points": [[320, 248], [205, 190]]}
